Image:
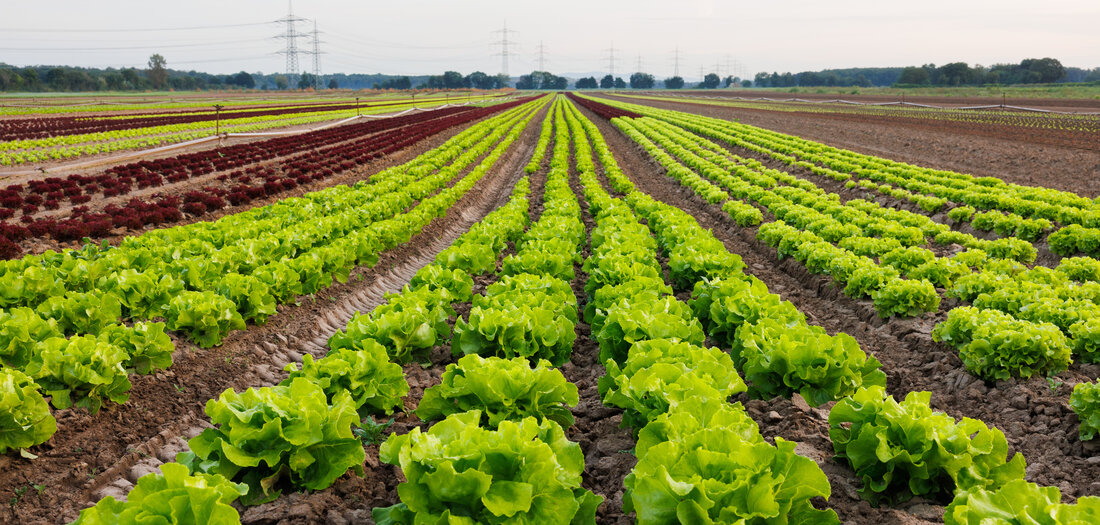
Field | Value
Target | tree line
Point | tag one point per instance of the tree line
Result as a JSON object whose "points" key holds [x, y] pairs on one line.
{"points": [[1028, 71], [157, 76]]}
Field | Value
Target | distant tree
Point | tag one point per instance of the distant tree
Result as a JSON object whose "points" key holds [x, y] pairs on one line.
{"points": [[454, 80], [642, 81], [57, 79], [761, 79], [242, 79], [132, 79], [10, 80], [503, 81], [954, 74], [333, 84], [728, 81], [607, 82], [281, 82], [480, 80], [397, 83], [1048, 69], [674, 83], [305, 81], [620, 83], [527, 82], [746, 83], [587, 83], [710, 81], [916, 76], [31, 82], [158, 73]]}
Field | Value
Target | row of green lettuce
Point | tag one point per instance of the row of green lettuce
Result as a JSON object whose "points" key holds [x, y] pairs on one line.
{"points": [[62, 323], [299, 434], [1051, 315], [898, 450], [1011, 209], [500, 454], [700, 458]]}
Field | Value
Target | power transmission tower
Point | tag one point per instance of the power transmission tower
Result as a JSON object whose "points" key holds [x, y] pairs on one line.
{"points": [[316, 57], [611, 59], [291, 37], [504, 52], [676, 62], [542, 56], [639, 66]]}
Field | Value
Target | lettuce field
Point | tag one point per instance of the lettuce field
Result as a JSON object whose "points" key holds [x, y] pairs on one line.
{"points": [[540, 309]]}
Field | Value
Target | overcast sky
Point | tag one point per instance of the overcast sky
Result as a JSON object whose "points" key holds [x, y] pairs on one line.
{"points": [[422, 37]]}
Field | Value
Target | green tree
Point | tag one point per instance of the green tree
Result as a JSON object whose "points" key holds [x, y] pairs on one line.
{"points": [[710, 81], [915, 76], [333, 84], [674, 83], [620, 83], [454, 80], [642, 81], [587, 83], [480, 80], [607, 82], [281, 82], [242, 80], [306, 81], [158, 73]]}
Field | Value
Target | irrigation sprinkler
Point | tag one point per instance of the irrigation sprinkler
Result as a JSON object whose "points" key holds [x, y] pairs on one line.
{"points": [[217, 119]]}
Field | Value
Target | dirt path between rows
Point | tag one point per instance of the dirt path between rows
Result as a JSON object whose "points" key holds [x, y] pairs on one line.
{"points": [[1035, 417]]}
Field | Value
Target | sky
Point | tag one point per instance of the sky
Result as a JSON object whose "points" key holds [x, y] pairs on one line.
{"points": [[576, 36]]}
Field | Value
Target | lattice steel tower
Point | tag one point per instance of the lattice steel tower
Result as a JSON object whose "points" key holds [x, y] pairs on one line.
{"points": [[291, 37], [504, 52], [317, 84]]}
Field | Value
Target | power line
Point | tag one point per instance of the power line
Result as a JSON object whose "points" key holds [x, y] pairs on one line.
{"points": [[155, 46], [129, 30]]}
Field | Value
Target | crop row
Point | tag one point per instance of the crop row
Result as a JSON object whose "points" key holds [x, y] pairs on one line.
{"points": [[835, 239], [42, 127], [302, 162], [866, 418], [501, 409], [206, 279], [988, 203], [1023, 322], [1071, 130]]}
